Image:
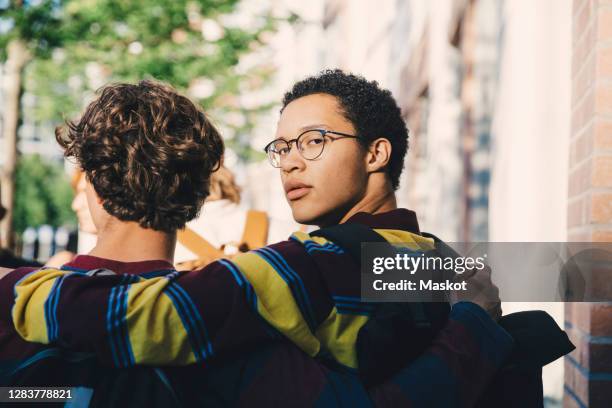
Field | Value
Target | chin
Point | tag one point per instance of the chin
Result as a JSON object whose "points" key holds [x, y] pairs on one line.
{"points": [[304, 215]]}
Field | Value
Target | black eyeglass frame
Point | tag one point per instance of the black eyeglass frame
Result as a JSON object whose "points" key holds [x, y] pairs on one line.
{"points": [[323, 132]]}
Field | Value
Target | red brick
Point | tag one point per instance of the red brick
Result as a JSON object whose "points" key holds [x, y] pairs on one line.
{"points": [[575, 213], [582, 48], [584, 79], [577, 382], [582, 146], [582, 20], [569, 401], [581, 353], [602, 138], [600, 210], [581, 316], [604, 24], [576, 6], [600, 283], [603, 65], [601, 320], [601, 236], [579, 179], [583, 112], [601, 174], [603, 99], [579, 236]]}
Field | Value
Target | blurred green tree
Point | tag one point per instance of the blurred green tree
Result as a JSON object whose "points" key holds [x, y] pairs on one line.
{"points": [[42, 194], [60, 51]]}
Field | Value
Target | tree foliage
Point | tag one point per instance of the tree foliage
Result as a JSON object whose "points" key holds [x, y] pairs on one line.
{"points": [[196, 46], [76, 46], [42, 194]]}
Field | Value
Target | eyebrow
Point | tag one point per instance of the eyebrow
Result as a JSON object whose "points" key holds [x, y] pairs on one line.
{"points": [[305, 128], [317, 126]]}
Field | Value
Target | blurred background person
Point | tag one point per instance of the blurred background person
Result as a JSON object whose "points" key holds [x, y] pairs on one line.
{"points": [[7, 258], [225, 227]]}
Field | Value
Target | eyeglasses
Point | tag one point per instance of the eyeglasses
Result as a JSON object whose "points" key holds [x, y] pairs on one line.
{"points": [[310, 144]]}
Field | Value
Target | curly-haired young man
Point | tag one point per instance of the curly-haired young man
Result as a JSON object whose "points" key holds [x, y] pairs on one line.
{"points": [[339, 146]]}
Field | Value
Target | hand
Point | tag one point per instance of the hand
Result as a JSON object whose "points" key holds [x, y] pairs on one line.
{"points": [[479, 290]]}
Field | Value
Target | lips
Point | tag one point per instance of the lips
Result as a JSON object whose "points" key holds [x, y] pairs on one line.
{"points": [[296, 190]]}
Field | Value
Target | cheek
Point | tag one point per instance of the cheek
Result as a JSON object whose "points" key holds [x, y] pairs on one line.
{"points": [[342, 179]]}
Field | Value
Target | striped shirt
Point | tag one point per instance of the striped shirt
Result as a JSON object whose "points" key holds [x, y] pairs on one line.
{"points": [[305, 289]]}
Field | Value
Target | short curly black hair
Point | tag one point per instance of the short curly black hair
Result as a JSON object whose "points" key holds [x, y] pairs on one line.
{"points": [[148, 151], [372, 110]]}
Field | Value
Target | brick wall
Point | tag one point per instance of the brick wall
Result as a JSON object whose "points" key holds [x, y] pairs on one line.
{"points": [[588, 370]]}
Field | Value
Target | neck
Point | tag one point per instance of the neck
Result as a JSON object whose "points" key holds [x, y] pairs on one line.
{"points": [[374, 202], [129, 242]]}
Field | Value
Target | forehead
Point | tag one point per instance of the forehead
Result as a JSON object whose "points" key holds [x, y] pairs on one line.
{"points": [[312, 110]]}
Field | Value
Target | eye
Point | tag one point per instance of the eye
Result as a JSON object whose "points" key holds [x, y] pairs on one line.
{"points": [[282, 150], [316, 140]]}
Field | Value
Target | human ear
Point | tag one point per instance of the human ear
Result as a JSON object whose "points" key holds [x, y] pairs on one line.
{"points": [[379, 154]]}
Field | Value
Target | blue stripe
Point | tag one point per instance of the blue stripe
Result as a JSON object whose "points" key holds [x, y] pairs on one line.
{"points": [[232, 269], [289, 279], [48, 317], [178, 305], [312, 250], [123, 319], [156, 274], [351, 299], [56, 297], [242, 282], [353, 311], [302, 289], [118, 320], [109, 326], [325, 245], [312, 246], [354, 299], [250, 293], [364, 307], [197, 344], [200, 326], [72, 269]]}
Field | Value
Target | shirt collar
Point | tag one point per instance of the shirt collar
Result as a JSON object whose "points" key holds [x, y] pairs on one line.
{"points": [[401, 218], [88, 262]]}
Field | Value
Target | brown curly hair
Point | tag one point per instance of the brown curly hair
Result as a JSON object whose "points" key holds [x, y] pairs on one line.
{"points": [[148, 152]]}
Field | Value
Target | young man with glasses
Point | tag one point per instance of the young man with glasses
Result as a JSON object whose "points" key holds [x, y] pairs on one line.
{"points": [[339, 146]]}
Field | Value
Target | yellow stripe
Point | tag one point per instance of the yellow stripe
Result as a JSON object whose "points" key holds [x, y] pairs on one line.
{"points": [[155, 328], [29, 309], [338, 335], [275, 302], [406, 239]]}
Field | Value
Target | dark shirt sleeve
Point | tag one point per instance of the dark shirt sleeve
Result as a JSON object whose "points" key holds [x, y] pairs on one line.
{"points": [[456, 369], [453, 372], [128, 320]]}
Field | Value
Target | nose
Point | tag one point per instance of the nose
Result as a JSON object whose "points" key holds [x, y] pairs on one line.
{"points": [[292, 161], [77, 201]]}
